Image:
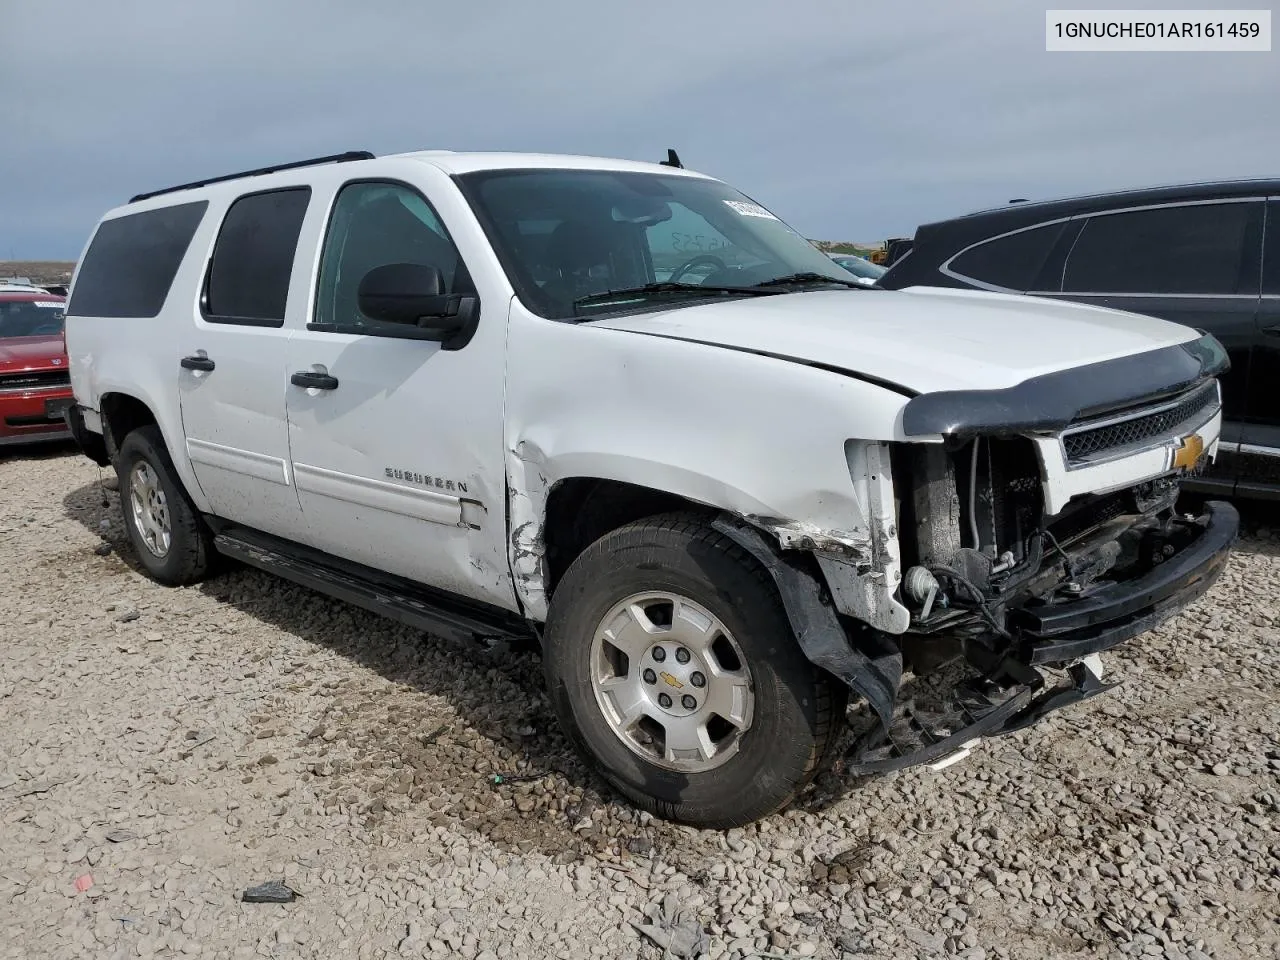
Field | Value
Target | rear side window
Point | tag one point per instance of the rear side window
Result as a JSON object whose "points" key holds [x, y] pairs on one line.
{"points": [[132, 260], [252, 262], [1012, 262], [1211, 248]]}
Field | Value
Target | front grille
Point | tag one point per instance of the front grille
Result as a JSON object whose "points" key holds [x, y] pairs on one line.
{"points": [[37, 380], [1087, 444]]}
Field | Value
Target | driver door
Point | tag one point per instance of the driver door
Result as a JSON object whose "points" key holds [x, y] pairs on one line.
{"points": [[396, 443]]}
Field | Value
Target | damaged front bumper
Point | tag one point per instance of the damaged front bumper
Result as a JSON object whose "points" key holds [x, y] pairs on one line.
{"points": [[1015, 690], [1122, 611]]}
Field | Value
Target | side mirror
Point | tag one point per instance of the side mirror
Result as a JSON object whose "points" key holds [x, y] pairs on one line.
{"points": [[413, 294]]}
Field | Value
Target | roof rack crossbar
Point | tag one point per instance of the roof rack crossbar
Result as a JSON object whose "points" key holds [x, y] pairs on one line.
{"points": [[347, 157]]}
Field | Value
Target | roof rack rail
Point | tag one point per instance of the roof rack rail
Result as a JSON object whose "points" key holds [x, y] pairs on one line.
{"points": [[347, 157]]}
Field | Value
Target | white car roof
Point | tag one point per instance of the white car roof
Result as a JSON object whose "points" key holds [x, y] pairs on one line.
{"points": [[445, 160], [473, 162]]}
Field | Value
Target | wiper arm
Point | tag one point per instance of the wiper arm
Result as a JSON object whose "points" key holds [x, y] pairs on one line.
{"points": [[667, 286], [799, 278]]}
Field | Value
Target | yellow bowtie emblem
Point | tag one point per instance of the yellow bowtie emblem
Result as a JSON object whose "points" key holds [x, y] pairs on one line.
{"points": [[1188, 452]]}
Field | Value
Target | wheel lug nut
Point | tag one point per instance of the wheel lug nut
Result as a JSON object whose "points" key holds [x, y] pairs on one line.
{"points": [[698, 680], [659, 654], [664, 701], [650, 676], [688, 702], [682, 654]]}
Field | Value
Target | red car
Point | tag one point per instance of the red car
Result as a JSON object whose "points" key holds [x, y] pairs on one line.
{"points": [[35, 382]]}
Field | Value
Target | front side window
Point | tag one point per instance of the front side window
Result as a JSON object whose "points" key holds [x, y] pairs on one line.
{"points": [[569, 239], [374, 224], [1211, 248], [31, 318], [252, 261]]}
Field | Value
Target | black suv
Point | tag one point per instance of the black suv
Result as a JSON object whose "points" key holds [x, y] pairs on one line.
{"points": [[1206, 255]]}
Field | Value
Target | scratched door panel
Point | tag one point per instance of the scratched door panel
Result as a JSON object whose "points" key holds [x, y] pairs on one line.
{"points": [[400, 466]]}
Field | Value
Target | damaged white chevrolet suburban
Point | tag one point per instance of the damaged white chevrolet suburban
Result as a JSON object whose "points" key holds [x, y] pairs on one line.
{"points": [[743, 503]]}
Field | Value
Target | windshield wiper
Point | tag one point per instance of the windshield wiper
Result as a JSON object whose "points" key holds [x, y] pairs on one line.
{"points": [[666, 286], [801, 278]]}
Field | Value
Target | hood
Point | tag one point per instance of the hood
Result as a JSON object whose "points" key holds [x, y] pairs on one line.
{"points": [[926, 339], [32, 353]]}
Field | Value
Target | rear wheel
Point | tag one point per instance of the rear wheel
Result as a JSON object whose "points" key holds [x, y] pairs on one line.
{"points": [[170, 539], [674, 669]]}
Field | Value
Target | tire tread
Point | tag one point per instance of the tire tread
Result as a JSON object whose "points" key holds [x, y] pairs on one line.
{"points": [[830, 696]]}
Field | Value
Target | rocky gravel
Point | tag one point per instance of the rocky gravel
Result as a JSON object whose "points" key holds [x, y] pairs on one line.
{"points": [[163, 750]]}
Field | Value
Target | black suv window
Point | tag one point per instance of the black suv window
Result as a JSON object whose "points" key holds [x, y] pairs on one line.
{"points": [[131, 263], [1012, 262], [1199, 248], [374, 224], [252, 261], [1271, 257]]}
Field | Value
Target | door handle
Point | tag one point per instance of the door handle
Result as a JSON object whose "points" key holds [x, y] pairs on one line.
{"points": [[1271, 331], [313, 380], [196, 363]]}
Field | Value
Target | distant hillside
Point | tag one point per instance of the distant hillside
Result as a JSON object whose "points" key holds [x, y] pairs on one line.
{"points": [[38, 271], [846, 246]]}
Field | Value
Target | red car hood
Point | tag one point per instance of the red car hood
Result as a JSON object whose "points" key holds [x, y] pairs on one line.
{"points": [[32, 353]]}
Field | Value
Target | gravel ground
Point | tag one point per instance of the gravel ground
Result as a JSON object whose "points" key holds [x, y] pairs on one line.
{"points": [[178, 746]]}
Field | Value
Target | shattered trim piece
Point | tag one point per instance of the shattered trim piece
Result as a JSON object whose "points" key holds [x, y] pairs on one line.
{"points": [[816, 626], [526, 545]]}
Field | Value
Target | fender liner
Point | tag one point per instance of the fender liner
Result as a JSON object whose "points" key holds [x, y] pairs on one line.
{"points": [[817, 628]]}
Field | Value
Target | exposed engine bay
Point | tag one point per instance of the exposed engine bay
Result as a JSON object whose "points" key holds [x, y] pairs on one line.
{"points": [[981, 557], [1009, 604]]}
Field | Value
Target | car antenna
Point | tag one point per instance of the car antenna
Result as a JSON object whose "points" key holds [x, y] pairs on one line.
{"points": [[673, 160]]}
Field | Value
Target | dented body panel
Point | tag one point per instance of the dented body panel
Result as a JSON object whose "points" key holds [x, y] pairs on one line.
{"points": [[691, 420]]}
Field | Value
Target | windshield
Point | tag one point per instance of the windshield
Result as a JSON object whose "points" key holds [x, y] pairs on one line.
{"points": [[31, 318], [861, 268], [567, 235]]}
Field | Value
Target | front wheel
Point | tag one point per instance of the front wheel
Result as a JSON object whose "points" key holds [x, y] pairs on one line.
{"points": [[674, 669]]}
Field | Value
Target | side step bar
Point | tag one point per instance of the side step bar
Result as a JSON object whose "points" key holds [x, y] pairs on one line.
{"points": [[393, 597]]}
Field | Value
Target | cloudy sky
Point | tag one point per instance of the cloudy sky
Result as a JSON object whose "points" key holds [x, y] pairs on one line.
{"points": [[850, 119]]}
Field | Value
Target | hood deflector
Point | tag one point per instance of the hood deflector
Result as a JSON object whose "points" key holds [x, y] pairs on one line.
{"points": [[1050, 402]]}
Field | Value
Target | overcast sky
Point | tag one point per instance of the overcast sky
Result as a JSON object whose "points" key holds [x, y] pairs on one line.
{"points": [[850, 119]]}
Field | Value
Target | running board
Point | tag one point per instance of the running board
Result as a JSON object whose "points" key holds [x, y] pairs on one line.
{"points": [[393, 597]]}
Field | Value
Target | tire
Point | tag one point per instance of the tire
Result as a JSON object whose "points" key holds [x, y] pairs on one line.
{"points": [[795, 709], [187, 557]]}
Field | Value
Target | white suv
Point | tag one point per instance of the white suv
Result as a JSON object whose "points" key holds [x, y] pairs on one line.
{"points": [[741, 501]]}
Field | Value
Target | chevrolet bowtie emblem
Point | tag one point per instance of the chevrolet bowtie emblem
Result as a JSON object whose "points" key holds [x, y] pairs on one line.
{"points": [[671, 681], [1187, 453]]}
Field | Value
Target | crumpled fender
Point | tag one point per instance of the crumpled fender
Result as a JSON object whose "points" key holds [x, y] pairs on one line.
{"points": [[816, 626]]}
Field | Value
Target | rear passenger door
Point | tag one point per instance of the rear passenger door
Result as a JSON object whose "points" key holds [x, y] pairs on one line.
{"points": [[232, 365], [1197, 264]]}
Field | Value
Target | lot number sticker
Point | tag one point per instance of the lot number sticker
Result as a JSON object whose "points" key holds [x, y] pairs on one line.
{"points": [[749, 209]]}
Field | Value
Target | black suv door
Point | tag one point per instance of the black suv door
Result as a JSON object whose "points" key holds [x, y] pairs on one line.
{"points": [[1259, 452], [1194, 263]]}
